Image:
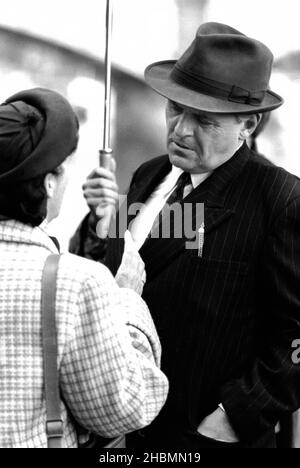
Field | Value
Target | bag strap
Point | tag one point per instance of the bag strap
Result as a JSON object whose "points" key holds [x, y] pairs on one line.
{"points": [[54, 423]]}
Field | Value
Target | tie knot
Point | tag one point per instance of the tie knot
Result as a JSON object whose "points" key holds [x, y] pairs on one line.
{"points": [[183, 179]]}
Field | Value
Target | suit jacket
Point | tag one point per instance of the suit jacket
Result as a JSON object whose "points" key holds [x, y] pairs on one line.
{"points": [[227, 320]]}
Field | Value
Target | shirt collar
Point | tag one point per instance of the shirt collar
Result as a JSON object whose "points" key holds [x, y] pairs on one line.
{"points": [[196, 179]]}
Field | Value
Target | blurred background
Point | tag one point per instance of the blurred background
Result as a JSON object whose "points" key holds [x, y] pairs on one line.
{"points": [[60, 44]]}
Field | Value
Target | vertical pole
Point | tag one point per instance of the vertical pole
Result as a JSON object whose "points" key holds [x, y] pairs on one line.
{"points": [[108, 55], [106, 152]]}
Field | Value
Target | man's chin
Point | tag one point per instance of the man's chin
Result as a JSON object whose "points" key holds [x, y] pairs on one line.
{"points": [[179, 160]]}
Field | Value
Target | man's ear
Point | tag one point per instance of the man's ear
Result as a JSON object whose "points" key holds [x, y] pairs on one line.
{"points": [[50, 183], [250, 123]]}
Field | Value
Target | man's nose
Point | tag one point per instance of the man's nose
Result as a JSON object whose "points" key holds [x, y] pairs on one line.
{"points": [[185, 124]]}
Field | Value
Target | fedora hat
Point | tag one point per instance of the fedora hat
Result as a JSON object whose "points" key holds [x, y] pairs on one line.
{"points": [[222, 71]]}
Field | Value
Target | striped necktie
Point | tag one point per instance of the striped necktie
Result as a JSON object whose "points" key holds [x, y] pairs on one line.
{"points": [[183, 182], [178, 193]]}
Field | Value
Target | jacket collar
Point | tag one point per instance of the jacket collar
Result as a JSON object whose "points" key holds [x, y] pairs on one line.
{"points": [[213, 189], [13, 231], [213, 192]]}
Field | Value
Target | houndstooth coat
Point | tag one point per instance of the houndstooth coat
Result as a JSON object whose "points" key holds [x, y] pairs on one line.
{"points": [[108, 349]]}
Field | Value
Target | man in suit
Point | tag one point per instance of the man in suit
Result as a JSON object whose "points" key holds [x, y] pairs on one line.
{"points": [[228, 310]]}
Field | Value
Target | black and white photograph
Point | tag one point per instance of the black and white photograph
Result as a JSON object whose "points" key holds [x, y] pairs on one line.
{"points": [[149, 227]]}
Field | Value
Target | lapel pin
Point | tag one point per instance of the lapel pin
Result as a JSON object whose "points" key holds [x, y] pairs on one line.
{"points": [[200, 240]]}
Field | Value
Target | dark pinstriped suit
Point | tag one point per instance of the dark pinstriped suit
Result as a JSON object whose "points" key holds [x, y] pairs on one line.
{"points": [[227, 320]]}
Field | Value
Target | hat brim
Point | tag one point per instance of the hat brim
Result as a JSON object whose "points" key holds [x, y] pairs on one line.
{"points": [[158, 77]]}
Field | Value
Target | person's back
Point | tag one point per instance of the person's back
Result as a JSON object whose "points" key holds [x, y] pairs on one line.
{"points": [[108, 349]]}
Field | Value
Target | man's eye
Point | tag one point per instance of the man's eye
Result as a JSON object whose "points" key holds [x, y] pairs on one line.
{"points": [[205, 121], [174, 107]]}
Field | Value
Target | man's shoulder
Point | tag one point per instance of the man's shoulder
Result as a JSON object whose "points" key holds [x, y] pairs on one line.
{"points": [[276, 182], [153, 163]]}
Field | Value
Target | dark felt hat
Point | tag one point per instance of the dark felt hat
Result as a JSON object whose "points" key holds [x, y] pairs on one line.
{"points": [[222, 71], [51, 140]]}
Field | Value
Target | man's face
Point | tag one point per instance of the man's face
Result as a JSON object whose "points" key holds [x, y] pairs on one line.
{"points": [[198, 141]]}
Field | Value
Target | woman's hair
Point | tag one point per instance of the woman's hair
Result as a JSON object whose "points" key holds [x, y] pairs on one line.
{"points": [[26, 201]]}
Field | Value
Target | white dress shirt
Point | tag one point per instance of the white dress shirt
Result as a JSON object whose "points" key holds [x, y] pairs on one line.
{"points": [[142, 224]]}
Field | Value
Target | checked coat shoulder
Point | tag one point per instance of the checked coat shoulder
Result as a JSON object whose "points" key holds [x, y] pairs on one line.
{"points": [[108, 349], [227, 320]]}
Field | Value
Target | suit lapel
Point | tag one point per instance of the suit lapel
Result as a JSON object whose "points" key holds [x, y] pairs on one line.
{"points": [[138, 193], [145, 186], [158, 253]]}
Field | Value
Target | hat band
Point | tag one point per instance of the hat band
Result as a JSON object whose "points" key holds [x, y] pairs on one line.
{"points": [[216, 88]]}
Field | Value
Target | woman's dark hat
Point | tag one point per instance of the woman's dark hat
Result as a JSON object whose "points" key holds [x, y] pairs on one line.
{"points": [[223, 71], [38, 130]]}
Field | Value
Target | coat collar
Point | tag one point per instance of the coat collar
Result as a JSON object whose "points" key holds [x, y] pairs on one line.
{"points": [[213, 192], [213, 189], [13, 231], [147, 184]]}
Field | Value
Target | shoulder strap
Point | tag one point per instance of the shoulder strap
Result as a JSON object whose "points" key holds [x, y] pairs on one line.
{"points": [[54, 424]]}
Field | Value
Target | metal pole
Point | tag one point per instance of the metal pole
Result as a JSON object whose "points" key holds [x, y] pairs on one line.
{"points": [[106, 152], [107, 101]]}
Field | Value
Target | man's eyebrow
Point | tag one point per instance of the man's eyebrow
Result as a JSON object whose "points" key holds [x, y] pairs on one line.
{"points": [[205, 115], [201, 114]]}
